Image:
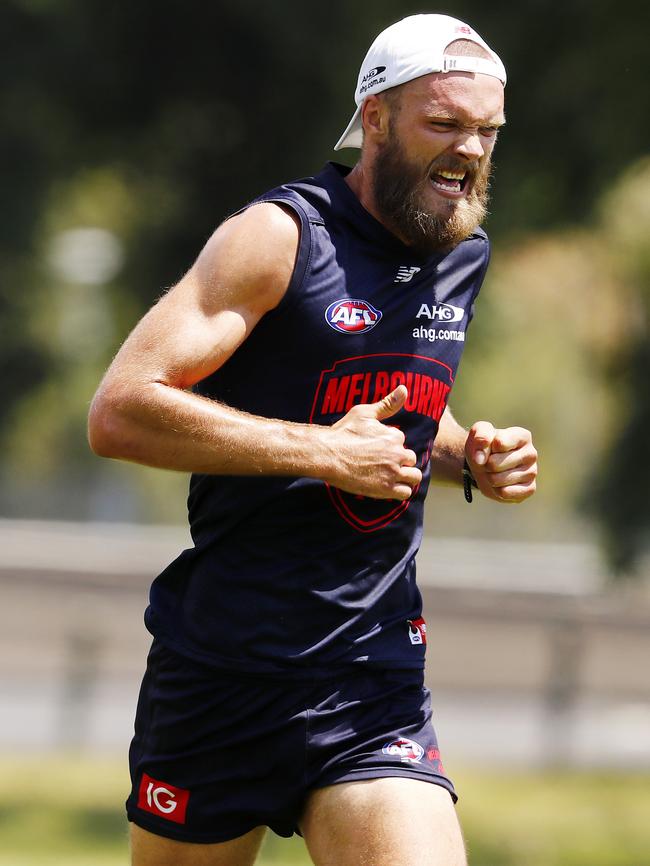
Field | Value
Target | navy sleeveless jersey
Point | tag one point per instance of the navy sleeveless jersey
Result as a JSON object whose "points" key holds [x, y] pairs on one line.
{"points": [[290, 575]]}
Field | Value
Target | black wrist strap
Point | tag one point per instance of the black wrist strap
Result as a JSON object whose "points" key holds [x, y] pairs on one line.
{"points": [[468, 481]]}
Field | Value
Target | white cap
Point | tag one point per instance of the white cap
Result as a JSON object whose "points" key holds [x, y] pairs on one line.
{"points": [[410, 48]]}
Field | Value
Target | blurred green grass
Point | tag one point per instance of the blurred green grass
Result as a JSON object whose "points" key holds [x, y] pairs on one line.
{"points": [[68, 810]]}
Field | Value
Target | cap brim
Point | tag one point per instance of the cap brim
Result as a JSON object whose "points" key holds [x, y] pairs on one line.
{"points": [[353, 135]]}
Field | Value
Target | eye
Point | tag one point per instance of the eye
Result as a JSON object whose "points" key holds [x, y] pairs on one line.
{"points": [[488, 131], [443, 125]]}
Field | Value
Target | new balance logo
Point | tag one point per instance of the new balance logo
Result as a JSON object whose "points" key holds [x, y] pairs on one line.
{"points": [[405, 275]]}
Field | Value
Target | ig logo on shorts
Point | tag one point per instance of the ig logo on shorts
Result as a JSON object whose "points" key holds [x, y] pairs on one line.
{"points": [[162, 799], [408, 751]]}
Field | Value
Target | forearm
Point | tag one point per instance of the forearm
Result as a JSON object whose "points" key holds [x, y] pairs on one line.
{"points": [[166, 427], [448, 451]]}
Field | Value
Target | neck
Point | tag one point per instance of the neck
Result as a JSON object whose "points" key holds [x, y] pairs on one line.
{"points": [[359, 179]]}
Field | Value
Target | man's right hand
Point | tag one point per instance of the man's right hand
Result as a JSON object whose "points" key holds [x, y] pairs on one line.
{"points": [[369, 456]]}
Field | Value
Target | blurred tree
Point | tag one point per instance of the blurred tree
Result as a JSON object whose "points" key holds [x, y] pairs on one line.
{"points": [[573, 308], [619, 483]]}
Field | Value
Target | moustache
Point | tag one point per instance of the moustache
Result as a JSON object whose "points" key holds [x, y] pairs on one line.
{"points": [[471, 170]]}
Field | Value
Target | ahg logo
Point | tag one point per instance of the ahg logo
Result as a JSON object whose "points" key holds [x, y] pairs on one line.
{"points": [[371, 73], [162, 799], [440, 312], [373, 78]]}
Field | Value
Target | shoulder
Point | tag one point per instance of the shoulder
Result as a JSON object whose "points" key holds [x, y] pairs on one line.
{"points": [[474, 249], [267, 229], [309, 197], [251, 255], [479, 235]]}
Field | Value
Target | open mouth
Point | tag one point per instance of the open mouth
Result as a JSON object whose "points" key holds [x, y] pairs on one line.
{"points": [[452, 182]]}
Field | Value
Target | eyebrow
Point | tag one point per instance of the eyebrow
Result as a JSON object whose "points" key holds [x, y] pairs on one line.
{"points": [[444, 114]]}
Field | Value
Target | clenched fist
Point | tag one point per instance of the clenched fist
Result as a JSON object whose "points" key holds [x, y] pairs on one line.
{"points": [[503, 462]]}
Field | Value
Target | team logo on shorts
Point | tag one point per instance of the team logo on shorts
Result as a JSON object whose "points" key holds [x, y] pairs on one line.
{"points": [[162, 799], [408, 751], [417, 631], [352, 316]]}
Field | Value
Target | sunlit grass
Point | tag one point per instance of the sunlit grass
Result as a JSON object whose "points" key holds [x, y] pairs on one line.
{"points": [[68, 811], [556, 819]]}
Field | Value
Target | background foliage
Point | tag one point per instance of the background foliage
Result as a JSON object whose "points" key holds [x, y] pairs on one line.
{"points": [[151, 122]]}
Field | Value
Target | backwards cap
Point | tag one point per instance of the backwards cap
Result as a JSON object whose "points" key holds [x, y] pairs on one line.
{"points": [[410, 48]]}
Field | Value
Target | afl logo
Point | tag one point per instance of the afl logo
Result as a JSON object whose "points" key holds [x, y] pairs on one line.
{"points": [[408, 751], [352, 316]]}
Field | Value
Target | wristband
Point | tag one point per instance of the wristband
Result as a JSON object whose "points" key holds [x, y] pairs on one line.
{"points": [[468, 481]]}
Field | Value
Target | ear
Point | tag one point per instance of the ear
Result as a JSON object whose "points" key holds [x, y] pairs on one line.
{"points": [[375, 117]]}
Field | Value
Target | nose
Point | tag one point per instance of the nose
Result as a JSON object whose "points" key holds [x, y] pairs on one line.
{"points": [[469, 145]]}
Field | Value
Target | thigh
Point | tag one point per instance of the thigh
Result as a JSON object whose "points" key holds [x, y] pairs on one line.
{"points": [[383, 822], [148, 849]]}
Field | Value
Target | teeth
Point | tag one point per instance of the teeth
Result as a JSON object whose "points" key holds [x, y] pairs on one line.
{"points": [[452, 175]]}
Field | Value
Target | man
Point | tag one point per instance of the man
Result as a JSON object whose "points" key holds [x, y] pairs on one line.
{"points": [[301, 371]]}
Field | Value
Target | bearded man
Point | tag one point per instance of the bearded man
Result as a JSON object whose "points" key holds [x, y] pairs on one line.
{"points": [[301, 372]]}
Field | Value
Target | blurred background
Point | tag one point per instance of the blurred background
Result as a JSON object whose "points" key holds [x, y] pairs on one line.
{"points": [[129, 132]]}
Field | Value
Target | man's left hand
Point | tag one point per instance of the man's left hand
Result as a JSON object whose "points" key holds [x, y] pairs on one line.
{"points": [[503, 462]]}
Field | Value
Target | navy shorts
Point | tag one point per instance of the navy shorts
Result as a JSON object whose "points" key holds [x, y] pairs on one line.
{"points": [[216, 754]]}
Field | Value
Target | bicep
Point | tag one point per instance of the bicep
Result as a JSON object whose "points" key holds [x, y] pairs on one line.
{"points": [[243, 272]]}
